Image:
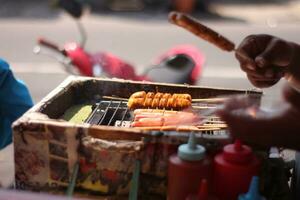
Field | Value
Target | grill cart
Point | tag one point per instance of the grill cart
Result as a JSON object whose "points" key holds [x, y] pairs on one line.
{"points": [[79, 139]]}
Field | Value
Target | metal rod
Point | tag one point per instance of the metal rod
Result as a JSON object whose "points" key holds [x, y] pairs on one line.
{"points": [[123, 117], [116, 110], [106, 111], [92, 114]]}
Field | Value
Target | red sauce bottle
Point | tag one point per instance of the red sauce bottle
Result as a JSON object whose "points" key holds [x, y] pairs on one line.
{"points": [[187, 169], [203, 193], [233, 170]]}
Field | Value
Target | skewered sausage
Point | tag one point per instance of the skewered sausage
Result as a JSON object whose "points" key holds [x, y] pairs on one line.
{"points": [[150, 118], [133, 102], [152, 111], [141, 94], [159, 100], [201, 31]]}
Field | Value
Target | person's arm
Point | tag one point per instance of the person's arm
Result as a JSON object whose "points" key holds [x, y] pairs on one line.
{"points": [[14, 101], [279, 128], [266, 59]]}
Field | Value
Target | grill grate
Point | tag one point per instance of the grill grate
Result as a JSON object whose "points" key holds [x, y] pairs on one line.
{"points": [[116, 113], [110, 113]]}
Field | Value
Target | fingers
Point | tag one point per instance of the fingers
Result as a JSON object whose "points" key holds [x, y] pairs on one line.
{"points": [[262, 82], [263, 59], [276, 128], [266, 73], [246, 62], [240, 102], [278, 52], [238, 106], [292, 96], [241, 124], [249, 124], [250, 48]]}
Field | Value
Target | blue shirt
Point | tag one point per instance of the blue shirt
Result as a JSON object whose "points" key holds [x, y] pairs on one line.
{"points": [[14, 101]]}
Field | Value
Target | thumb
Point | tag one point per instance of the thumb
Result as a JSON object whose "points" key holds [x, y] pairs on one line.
{"points": [[278, 52]]}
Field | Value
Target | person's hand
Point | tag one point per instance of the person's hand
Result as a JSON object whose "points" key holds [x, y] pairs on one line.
{"points": [[249, 124], [266, 59]]}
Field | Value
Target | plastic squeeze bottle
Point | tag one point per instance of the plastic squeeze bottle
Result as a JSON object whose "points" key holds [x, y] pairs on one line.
{"points": [[203, 193], [253, 193], [233, 170], [187, 169]]}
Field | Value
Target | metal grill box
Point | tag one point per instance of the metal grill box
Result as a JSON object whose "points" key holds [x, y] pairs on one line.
{"points": [[47, 147]]}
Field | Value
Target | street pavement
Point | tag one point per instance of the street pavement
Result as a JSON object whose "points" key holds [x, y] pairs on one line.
{"points": [[138, 38]]}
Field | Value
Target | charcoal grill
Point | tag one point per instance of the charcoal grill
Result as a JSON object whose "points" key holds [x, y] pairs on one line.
{"points": [[105, 146], [116, 113]]}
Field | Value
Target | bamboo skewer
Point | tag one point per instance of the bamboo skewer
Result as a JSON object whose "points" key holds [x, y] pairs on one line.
{"points": [[115, 98], [206, 100], [212, 126], [179, 128], [204, 107], [210, 100]]}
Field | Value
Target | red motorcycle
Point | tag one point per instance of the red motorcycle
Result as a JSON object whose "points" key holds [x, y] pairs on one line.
{"points": [[181, 64]]}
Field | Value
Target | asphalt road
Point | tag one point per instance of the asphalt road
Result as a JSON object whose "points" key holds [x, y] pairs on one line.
{"points": [[138, 38]]}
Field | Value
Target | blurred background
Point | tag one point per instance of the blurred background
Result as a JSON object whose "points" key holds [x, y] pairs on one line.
{"points": [[138, 31]]}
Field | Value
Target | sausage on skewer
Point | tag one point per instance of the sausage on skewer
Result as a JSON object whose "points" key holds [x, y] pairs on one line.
{"points": [[201, 31], [159, 100]]}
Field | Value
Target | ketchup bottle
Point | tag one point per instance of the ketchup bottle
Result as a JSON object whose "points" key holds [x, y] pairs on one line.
{"points": [[253, 192], [234, 168], [202, 193], [187, 169]]}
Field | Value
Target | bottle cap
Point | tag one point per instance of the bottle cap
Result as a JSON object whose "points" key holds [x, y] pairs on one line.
{"points": [[237, 153], [191, 151], [253, 193]]}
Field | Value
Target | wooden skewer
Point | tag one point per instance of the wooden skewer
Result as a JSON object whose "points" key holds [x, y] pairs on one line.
{"points": [[179, 128], [210, 100], [115, 98], [207, 100], [213, 125], [204, 107], [193, 100]]}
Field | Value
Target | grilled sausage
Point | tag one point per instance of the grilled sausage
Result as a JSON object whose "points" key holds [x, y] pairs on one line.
{"points": [[135, 102], [201, 31], [150, 95], [153, 111], [141, 94], [148, 119], [159, 100], [155, 103], [163, 102], [158, 95]]}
